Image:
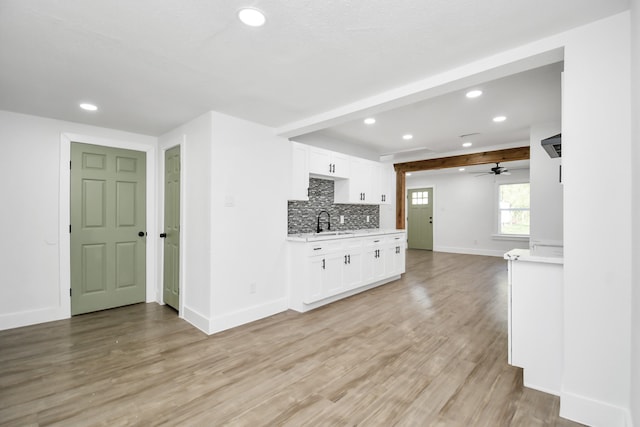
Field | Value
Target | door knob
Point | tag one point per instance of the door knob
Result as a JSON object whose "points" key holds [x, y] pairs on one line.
{"points": [[163, 235], [141, 233]]}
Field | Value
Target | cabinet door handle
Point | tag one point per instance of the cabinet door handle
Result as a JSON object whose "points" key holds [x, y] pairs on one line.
{"points": [[316, 249], [376, 241], [334, 168], [323, 264], [345, 259], [349, 257], [364, 196]]}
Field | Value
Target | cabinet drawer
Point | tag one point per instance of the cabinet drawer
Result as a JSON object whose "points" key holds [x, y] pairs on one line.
{"points": [[396, 238], [373, 241], [322, 248]]}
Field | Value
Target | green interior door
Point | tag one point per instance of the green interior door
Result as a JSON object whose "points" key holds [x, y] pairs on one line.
{"points": [[171, 282], [420, 221], [108, 222]]}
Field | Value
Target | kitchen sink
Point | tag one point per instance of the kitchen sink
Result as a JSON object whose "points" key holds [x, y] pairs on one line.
{"points": [[332, 233]]}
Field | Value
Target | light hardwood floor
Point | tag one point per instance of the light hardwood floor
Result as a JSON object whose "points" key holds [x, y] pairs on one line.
{"points": [[427, 350]]}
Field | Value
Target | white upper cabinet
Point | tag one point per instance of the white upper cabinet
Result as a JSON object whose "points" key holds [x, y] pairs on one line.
{"points": [[360, 188], [386, 180], [328, 163], [357, 180], [299, 171]]}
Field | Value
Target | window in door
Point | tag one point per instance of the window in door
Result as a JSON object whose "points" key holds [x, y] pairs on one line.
{"points": [[420, 198], [513, 209]]}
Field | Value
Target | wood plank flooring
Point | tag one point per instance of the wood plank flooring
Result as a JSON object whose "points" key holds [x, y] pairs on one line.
{"points": [[427, 350]]}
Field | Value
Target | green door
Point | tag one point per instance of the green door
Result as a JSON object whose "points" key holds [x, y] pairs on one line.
{"points": [[171, 285], [108, 221], [420, 221]]}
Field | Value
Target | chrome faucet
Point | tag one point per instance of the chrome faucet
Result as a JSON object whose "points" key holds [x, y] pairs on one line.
{"points": [[319, 229]]}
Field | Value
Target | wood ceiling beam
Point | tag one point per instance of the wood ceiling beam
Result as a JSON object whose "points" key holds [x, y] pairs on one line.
{"points": [[507, 155]]}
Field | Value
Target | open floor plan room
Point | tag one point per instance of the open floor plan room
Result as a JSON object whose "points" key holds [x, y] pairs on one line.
{"points": [[426, 350]]}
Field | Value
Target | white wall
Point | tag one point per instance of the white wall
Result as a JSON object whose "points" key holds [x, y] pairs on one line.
{"points": [[250, 181], [597, 214], [635, 158], [35, 286], [546, 189], [195, 140], [464, 216]]}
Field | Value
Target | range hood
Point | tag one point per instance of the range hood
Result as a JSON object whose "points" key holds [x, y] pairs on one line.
{"points": [[553, 145]]}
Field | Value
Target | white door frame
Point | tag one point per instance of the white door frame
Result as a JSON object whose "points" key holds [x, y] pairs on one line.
{"points": [[65, 212]]}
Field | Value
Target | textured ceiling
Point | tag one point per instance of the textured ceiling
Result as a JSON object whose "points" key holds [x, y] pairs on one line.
{"points": [[152, 65]]}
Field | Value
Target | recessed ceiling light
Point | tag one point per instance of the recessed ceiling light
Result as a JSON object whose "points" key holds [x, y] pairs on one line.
{"points": [[369, 121], [467, 144], [499, 119], [252, 17], [461, 170], [88, 107], [474, 93], [408, 174], [407, 136]]}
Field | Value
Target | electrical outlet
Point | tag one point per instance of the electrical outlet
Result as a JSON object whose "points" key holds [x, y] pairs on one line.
{"points": [[341, 219], [252, 288]]}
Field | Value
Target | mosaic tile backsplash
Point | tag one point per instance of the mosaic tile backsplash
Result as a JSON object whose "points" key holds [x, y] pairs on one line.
{"points": [[303, 216]]}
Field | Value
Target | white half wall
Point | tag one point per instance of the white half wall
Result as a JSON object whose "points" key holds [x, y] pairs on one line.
{"points": [[250, 181], [464, 214], [35, 245]]}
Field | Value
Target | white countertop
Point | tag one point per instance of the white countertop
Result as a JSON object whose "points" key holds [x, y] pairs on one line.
{"points": [[550, 255], [342, 234]]}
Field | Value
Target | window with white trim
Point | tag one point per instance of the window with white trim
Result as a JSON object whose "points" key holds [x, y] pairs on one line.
{"points": [[513, 209]]}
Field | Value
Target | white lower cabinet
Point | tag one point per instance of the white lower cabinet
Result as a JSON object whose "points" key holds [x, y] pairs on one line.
{"points": [[323, 270], [352, 267], [395, 255], [325, 277]]}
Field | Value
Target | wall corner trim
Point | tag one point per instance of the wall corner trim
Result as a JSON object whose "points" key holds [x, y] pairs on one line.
{"points": [[593, 412], [196, 319], [250, 314]]}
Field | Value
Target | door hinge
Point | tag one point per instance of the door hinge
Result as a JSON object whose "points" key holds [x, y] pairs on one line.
{"points": [[69, 164], [70, 291], [69, 228]]}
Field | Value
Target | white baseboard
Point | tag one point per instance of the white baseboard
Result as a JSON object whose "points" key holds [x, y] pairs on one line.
{"points": [[250, 314], [303, 308], [593, 412], [196, 319], [470, 251], [31, 317]]}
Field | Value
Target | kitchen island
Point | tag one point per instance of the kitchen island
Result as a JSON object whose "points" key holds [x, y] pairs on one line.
{"points": [[535, 296], [328, 266]]}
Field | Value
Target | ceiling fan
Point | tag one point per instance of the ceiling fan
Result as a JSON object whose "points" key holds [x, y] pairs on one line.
{"points": [[497, 170]]}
